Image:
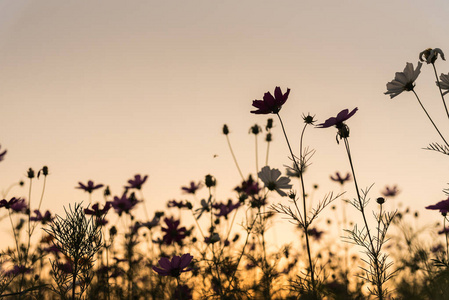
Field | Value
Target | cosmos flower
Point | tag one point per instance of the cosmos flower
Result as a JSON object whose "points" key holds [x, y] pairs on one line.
{"points": [[192, 188], [390, 191], [272, 180], [338, 121], [340, 179], [90, 187], [271, 104], [444, 83], [172, 232], [179, 204], [137, 182], [15, 204], [430, 55], [403, 81], [225, 209], [175, 267], [96, 211], [124, 204], [315, 233], [42, 218], [442, 206], [2, 154], [205, 207]]}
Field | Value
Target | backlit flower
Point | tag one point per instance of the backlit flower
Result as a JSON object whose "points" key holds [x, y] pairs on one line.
{"points": [[442, 206], [403, 81], [430, 55], [192, 188], [42, 218], [175, 267], [124, 204], [272, 180], [338, 121], [340, 179], [444, 83], [137, 182], [390, 192], [90, 187], [271, 104], [173, 233]]}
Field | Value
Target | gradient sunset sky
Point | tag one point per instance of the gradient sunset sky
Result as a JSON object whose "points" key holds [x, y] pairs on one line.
{"points": [[104, 90]]}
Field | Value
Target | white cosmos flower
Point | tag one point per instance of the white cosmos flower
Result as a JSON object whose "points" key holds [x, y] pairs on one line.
{"points": [[444, 83], [430, 55], [403, 81], [272, 181]]}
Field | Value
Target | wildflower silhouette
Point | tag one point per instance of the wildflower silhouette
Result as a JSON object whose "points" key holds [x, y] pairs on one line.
{"points": [[175, 267], [444, 83], [192, 188], [137, 182], [340, 179], [390, 191], [90, 187], [273, 182], [270, 104], [403, 81], [430, 55], [173, 233], [442, 206]]}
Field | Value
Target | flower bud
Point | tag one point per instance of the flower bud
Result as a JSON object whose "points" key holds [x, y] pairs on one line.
{"points": [[225, 129]]}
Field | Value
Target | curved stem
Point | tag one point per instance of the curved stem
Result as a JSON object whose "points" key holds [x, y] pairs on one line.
{"points": [[439, 88], [306, 223], [233, 157], [428, 116]]}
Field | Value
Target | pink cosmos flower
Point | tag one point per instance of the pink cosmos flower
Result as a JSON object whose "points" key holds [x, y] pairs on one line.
{"points": [[175, 267], [137, 182], [338, 121], [90, 187], [270, 104]]}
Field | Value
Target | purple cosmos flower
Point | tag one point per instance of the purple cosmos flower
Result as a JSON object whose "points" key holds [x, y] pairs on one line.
{"points": [[44, 219], [442, 206], [7, 204], [175, 267], [90, 187], [249, 187], [16, 270], [2, 154], [225, 209], [96, 211], [338, 121], [137, 182], [340, 179], [271, 104], [390, 192], [181, 204], [205, 207], [403, 81], [173, 233], [124, 204], [192, 188]]}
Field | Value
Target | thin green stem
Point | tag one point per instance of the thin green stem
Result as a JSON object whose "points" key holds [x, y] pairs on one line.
{"points": [[439, 88], [428, 116]]}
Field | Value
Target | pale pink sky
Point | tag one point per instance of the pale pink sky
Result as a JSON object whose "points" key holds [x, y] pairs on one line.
{"points": [[104, 90]]}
